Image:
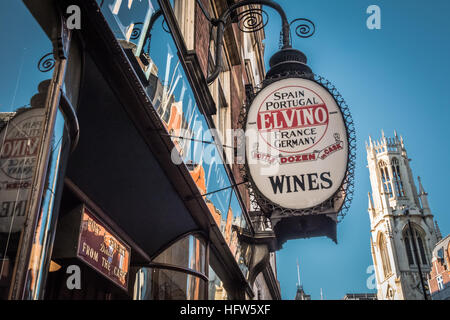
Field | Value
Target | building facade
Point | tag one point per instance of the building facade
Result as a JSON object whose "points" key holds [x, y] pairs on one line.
{"points": [[439, 277], [360, 296], [403, 231], [117, 158], [301, 294]]}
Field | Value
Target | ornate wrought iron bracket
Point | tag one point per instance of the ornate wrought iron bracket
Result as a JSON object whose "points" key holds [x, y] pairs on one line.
{"points": [[252, 20]]}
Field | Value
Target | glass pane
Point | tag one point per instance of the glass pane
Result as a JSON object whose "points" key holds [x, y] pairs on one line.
{"points": [[216, 290], [189, 252], [169, 90], [22, 96], [127, 17], [42, 240], [161, 284]]}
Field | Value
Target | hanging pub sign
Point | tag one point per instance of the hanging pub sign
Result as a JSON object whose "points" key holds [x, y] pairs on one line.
{"points": [[19, 144], [299, 156], [297, 149]]}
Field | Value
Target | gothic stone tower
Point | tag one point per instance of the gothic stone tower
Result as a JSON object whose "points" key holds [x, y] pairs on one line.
{"points": [[394, 205]]}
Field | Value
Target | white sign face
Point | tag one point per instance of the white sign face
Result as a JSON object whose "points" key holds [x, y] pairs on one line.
{"points": [[19, 144], [297, 147]]}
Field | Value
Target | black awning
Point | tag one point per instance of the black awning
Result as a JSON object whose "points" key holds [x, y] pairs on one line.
{"points": [[114, 166]]}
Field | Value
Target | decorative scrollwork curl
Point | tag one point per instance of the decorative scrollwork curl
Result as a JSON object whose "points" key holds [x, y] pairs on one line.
{"points": [[252, 20], [46, 63], [304, 28], [137, 29]]}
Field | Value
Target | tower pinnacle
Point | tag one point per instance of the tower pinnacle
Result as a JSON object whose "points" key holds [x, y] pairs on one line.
{"points": [[438, 231], [421, 190], [370, 202], [423, 198]]}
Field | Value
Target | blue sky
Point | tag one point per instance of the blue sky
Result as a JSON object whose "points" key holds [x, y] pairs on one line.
{"points": [[396, 78]]}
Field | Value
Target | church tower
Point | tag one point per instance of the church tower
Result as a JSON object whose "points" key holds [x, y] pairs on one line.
{"points": [[403, 233]]}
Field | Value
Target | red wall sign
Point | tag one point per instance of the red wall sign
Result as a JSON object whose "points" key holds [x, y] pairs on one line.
{"points": [[102, 250]]}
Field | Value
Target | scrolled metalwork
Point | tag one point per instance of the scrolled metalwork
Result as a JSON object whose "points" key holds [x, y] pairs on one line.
{"points": [[304, 28], [348, 187], [137, 29], [252, 20], [222, 22], [46, 63], [346, 190]]}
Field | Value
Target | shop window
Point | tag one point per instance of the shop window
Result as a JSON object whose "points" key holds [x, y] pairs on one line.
{"points": [[170, 92], [23, 91], [189, 252], [216, 289], [127, 17], [163, 284], [178, 273]]}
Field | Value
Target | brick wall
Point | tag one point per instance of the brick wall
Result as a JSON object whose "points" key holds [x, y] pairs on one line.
{"points": [[440, 269], [201, 43]]}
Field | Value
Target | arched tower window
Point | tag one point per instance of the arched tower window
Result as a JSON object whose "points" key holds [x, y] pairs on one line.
{"points": [[385, 178], [398, 184], [409, 254], [421, 250], [384, 255], [417, 237]]}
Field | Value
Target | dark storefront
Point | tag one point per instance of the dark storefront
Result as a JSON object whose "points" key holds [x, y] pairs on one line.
{"points": [[117, 193]]}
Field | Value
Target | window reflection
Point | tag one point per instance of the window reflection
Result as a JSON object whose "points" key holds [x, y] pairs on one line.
{"points": [[216, 290], [126, 17], [161, 284], [189, 252], [41, 241], [172, 97], [23, 90]]}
